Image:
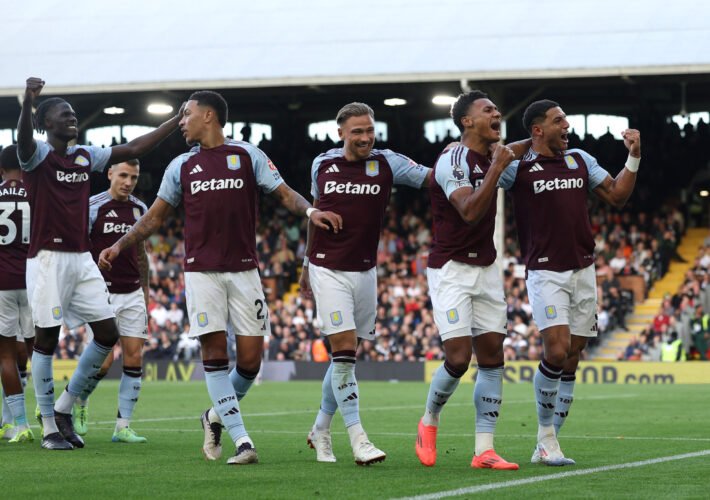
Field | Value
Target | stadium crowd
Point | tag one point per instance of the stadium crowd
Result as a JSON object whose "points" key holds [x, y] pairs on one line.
{"points": [[628, 243], [682, 322]]}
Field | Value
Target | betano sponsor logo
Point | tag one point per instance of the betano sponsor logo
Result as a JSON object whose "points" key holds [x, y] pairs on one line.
{"points": [[351, 188], [557, 184], [72, 177], [112, 227], [216, 185]]}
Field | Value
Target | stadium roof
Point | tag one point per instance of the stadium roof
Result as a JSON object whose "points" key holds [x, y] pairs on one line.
{"points": [[139, 45]]}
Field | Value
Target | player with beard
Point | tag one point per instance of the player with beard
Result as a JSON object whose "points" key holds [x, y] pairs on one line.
{"points": [[550, 187], [340, 268]]}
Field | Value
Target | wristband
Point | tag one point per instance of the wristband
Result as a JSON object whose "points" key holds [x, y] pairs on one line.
{"points": [[306, 260], [633, 163], [309, 211]]}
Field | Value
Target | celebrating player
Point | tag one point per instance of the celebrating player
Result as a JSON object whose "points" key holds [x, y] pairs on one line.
{"points": [[465, 284], [355, 181], [218, 183], [63, 283], [15, 315], [550, 188], [111, 215]]}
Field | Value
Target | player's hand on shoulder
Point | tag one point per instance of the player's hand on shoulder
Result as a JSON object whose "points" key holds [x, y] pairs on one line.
{"points": [[327, 220], [33, 87], [502, 155], [305, 284], [632, 141], [107, 256]]}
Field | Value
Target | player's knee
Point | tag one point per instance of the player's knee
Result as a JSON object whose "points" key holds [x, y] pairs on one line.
{"points": [[458, 362]]}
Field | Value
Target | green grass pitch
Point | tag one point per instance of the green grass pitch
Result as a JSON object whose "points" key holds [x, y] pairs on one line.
{"points": [[609, 425]]}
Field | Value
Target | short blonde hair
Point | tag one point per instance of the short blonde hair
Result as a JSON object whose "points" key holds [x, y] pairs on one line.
{"points": [[353, 109]]}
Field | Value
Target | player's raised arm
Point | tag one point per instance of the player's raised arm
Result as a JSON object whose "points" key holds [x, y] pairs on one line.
{"points": [[26, 144], [146, 225], [143, 144], [617, 191], [471, 204], [298, 205]]}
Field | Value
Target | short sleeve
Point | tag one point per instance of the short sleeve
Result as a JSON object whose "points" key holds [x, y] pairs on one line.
{"points": [[597, 173], [267, 175], [100, 157], [507, 178], [170, 187], [405, 170], [451, 177], [42, 149], [314, 177], [93, 213]]}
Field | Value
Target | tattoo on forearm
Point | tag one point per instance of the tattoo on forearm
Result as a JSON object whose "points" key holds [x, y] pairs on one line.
{"points": [[140, 232], [143, 268]]}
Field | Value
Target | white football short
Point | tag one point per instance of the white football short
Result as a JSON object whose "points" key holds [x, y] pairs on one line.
{"points": [[131, 317], [467, 300], [565, 298], [66, 287], [346, 300], [15, 315], [215, 299]]}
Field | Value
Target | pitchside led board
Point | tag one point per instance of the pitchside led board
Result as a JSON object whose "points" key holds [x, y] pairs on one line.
{"points": [[514, 372], [603, 373]]}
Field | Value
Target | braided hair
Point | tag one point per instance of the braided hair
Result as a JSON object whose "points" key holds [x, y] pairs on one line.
{"points": [[42, 110]]}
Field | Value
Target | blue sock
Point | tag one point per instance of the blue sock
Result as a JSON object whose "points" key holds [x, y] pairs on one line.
{"points": [[565, 397], [345, 388], [328, 404], [43, 382], [241, 381], [443, 384], [224, 399], [16, 402], [487, 397], [89, 365], [90, 387], [546, 382], [128, 391]]}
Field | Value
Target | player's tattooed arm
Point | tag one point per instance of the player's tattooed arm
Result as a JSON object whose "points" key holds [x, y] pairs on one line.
{"points": [[305, 280], [297, 204], [146, 142], [143, 269], [146, 225], [26, 144]]}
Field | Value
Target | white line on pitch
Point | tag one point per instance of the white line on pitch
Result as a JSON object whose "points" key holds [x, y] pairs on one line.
{"points": [[561, 475], [443, 434]]}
